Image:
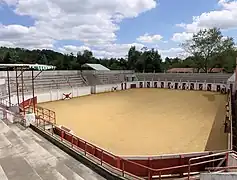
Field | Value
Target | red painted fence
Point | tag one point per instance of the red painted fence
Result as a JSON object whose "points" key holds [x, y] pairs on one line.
{"points": [[40, 112], [141, 167]]}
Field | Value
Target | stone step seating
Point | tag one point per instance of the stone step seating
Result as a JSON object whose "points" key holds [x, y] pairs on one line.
{"points": [[75, 80], [109, 78], [25, 155], [41, 84], [49, 82]]}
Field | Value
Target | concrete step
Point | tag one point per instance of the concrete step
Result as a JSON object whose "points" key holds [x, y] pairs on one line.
{"points": [[35, 158]]}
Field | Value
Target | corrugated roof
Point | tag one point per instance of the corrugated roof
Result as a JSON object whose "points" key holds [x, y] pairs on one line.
{"points": [[97, 67], [39, 67]]}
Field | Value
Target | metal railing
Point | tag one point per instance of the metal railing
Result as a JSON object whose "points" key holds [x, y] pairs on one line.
{"points": [[123, 166]]}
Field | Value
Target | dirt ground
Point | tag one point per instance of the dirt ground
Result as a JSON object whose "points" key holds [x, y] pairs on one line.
{"points": [[147, 121]]}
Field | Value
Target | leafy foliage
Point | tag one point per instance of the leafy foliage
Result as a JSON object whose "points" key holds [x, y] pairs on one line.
{"points": [[208, 48]]}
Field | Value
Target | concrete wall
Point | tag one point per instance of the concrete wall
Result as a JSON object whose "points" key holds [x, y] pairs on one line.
{"points": [[218, 176], [57, 94], [54, 95]]}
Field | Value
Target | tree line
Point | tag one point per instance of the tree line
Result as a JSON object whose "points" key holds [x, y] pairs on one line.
{"points": [[207, 49]]}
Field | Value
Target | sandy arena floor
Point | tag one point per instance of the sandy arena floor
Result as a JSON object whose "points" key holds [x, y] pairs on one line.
{"points": [[147, 121]]}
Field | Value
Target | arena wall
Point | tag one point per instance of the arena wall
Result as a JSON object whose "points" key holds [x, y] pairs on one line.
{"points": [[54, 95], [59, 94]]}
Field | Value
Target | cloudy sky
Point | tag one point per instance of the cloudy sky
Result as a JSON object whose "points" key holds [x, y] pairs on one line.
{"points": [[110, 27]]}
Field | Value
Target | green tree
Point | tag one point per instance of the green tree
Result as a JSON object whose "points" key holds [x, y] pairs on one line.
{"points": [[133, 57], [7, 58], [206, 45], [42, 59]]}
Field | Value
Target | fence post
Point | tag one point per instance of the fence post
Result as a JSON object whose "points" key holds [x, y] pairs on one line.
{"points": [[62, 132], [149, 170], [49, 116], [189, 169], [149, 174], [101, 159], [123, 168], [118, 163], [85, 147], [52, 129], [227, 159], [72, 141]]}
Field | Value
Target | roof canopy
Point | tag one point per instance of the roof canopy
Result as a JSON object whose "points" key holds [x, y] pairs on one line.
{"points": [[38, 67], [97, 67]]}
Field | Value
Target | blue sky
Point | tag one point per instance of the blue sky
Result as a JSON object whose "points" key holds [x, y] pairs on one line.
{"points": [[74, 25]]}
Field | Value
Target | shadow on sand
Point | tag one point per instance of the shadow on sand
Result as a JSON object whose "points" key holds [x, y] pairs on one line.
{"points": [[218, 140], [210, 97]]}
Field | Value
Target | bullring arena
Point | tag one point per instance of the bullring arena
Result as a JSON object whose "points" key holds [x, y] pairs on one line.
{"points": [[120, 124], [147, 121]]}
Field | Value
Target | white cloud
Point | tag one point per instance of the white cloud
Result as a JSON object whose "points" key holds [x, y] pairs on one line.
{"points": [[115, 50], [181, 37], [146, 38], [121, 50], [103, 51], [225, 18], [6, 44], [73, 49], [173, 52], [90, 22], [27, 37], [94, 23]]}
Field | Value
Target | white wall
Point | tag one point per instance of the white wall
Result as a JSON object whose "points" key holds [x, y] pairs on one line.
{"points": [[107, 87], [54, 95]]}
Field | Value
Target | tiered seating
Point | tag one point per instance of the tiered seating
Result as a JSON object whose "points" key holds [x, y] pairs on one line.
{"points": [[75, 80], [110, 78], [192, 77], [45, 81]]}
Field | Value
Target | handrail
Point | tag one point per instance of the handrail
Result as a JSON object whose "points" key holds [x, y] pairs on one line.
{"points": [[220, 168], [204, 162], [39, 111], [121, 167]]}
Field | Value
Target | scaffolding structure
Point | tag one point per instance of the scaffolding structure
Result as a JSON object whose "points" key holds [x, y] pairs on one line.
{"points": [[19, 76]]}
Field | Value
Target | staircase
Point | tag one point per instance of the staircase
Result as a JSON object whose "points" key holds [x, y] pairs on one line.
{"points": [[92, 79]]}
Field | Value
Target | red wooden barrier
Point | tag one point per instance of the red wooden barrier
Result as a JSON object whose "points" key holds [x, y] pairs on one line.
{"points": [[146, 167], [29, 102]]}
